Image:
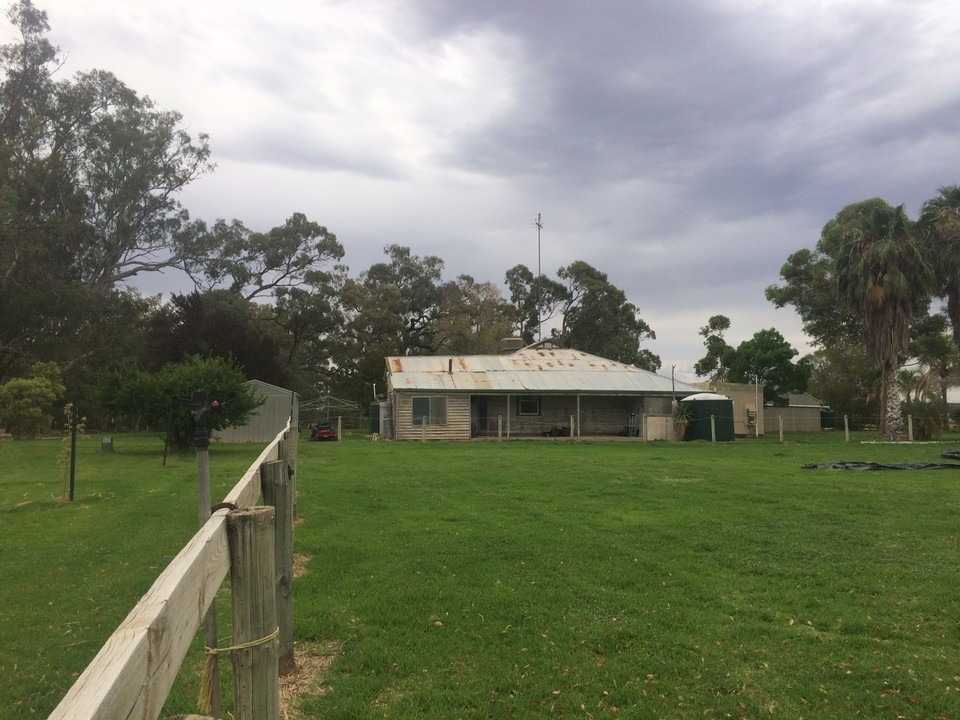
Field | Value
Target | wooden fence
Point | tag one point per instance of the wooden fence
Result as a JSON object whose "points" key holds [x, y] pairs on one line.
{"points": [[133, 672]]}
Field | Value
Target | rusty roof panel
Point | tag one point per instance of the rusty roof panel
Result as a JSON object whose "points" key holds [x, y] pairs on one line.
{"points": [[527, 370]]}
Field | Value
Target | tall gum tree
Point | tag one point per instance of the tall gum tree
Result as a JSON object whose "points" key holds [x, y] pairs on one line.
{"points": [[597, 318], [89, 177], [714, 363]]}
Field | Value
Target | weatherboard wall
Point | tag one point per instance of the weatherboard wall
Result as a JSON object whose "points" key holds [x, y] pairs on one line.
{"points": [[456, 427]]}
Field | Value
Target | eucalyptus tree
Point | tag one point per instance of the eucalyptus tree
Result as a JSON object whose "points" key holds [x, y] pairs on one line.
{"points": [[392, 308], [475, 317], [89, 179], [886, 275], [311, 320], [91, 171], [300, 253], [536, 300], [598, 319], [809, 284], [714, 363]]}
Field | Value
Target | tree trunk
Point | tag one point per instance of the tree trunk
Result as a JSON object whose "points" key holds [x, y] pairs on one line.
{"points": [[890, 407]]}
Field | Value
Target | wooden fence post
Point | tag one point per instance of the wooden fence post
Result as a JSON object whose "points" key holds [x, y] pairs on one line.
{"points": [[256, 680], [291, 446], [277, 491]]}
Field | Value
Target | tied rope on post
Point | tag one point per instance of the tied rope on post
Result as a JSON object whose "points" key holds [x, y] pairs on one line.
{"points": [[205, 701]]}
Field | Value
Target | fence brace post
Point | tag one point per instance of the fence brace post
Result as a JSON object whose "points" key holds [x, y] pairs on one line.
{"points": [[277, 486], [846, 428], [713, 428], [256, 681]]}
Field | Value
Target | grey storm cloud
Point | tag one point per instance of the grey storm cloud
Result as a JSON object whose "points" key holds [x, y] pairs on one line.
{"points": [[684, 148]]}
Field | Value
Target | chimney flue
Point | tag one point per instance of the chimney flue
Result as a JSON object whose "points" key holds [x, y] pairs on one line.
{"points": [[510, 345]]}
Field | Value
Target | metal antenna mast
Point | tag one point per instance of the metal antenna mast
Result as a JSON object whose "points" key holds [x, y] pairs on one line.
{"points": [[539, 292]]}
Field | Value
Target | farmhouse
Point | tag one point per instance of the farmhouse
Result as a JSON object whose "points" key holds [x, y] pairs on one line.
{"points": [[538, 390]]}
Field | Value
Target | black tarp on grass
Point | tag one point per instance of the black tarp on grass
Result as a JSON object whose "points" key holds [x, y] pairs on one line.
{"points": [[856, 465]]}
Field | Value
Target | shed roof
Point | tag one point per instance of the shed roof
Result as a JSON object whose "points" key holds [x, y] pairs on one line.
{"points": [[267, 388], [538, 368], [803, 400]]}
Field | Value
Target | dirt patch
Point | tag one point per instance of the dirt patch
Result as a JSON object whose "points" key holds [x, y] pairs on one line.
{"points": [[300, 563], [313, 660]]}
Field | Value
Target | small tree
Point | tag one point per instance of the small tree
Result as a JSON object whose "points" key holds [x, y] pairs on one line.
{"points": [[929, 420], [161, 397], [26, 404], [682, 417]]}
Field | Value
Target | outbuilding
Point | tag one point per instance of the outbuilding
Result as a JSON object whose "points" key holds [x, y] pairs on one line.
{"points": [[748, 405], [538, 390], [803, 413], [267, 420]]}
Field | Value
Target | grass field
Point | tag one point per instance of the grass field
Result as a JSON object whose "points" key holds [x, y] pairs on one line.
{"points": [[533, 579]]}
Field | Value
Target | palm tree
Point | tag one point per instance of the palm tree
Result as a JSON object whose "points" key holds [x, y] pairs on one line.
{"points": [[908, 380], [940, 225], [884, 273]]}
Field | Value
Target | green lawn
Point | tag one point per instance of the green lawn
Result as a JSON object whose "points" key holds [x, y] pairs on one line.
{"points": [[70, 572], [540, 578]]}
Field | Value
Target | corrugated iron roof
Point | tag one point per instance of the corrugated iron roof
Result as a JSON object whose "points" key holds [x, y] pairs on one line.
{"points": [[532, 369]]}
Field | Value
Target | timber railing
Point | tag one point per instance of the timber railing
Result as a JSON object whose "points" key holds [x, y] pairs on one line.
{"points": [[132, 674]]}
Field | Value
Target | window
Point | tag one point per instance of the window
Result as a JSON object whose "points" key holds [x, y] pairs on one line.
{"points": [[528, 406], [659, 406], [433, 409]]}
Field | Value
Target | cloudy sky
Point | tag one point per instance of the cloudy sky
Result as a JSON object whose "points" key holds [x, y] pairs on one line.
{"points": [[683, 147]]}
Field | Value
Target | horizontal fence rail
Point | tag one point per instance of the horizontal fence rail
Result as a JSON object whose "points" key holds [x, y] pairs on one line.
{"points": [[133, 672]]}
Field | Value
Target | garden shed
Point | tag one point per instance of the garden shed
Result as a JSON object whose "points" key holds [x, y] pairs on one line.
{"points": [[267, 420], [538, 390], [803, 413]]}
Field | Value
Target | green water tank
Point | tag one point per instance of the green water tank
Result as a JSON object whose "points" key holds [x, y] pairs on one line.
{"points": [[704, 406]]}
